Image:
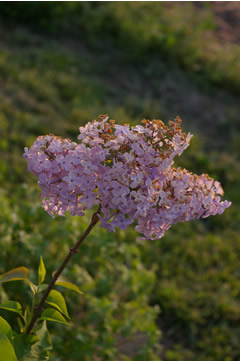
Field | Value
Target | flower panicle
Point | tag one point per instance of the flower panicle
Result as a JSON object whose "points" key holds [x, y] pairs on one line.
{"points": [[128, 171]]}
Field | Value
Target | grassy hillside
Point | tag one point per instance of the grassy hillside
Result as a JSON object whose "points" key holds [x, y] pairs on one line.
{"points": [[62, 64]]}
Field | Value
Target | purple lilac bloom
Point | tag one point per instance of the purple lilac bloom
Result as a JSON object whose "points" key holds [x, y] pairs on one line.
{"points": [[128, 171]]}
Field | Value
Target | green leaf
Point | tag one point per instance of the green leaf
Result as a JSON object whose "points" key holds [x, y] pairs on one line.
{"points": [[20, 273], [12, 306], [36, 327], [42, 287], [68, 285], [5, 328], [32, 286], [7, 351], [23, 345], [51, 314], [45, 340], [34, 348], [57, 300], [41, 271], [27, 315], [21, 324]]}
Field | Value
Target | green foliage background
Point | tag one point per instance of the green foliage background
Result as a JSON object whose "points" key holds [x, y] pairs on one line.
{"points": [[62, 64]]}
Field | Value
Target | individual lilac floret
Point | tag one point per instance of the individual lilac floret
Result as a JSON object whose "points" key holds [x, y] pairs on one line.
{"points": [[128, 171]]}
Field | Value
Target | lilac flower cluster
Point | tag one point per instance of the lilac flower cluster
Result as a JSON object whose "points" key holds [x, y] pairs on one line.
{"points": [[128, 171]]}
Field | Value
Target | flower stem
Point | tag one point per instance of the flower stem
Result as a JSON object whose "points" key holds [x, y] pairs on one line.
{"points": [[72, 251]]}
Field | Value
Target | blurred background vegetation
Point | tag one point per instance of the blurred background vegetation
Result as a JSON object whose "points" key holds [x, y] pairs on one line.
{"points": [[62, 64]]}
